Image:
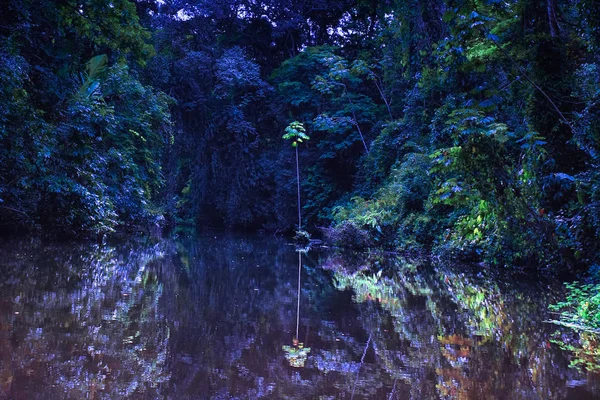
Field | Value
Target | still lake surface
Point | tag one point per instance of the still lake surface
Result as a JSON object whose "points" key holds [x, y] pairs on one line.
{"points": [[215, 316]]}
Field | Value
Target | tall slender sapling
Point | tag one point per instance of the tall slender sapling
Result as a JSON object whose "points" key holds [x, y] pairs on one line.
{"points": [[297, 133]]}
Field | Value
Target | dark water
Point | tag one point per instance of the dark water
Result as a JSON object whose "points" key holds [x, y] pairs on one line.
{"points": [[216, 317]]}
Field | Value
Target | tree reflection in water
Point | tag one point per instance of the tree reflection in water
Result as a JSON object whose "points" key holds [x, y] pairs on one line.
{"points": [[296, 354], [78, 321], [206, 317]]}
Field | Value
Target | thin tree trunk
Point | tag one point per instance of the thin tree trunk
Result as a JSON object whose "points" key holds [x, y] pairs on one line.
{"points": [[15, 210], [379, 85], [298, 182], [362, 138], [359, 131], [524, 74], [362, 360], [552, 20], [298, 309]]}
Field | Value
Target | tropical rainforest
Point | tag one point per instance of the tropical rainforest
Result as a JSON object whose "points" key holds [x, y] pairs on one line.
{"points": [[462, 128]]}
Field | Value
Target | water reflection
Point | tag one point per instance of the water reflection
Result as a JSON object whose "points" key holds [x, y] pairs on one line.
{"points": [[297, 353], [212, 317], [77, 321]]}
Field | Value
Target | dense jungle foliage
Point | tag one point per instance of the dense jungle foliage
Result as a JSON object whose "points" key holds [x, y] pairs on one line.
{"points": [[468, 128]]}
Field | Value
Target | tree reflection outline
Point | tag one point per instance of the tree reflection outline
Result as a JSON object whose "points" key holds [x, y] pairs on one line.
{"points": [[297, 354]]}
